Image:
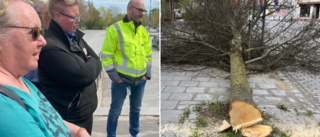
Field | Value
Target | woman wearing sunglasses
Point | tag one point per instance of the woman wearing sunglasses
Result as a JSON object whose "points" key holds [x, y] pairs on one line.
{"points": [[68, 66], [20, 45]]}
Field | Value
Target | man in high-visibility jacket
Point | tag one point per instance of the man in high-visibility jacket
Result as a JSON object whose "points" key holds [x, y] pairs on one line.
{"points": [[126, 57]]}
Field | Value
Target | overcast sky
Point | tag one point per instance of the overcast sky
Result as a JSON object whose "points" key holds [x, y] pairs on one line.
{"points": [[122, 4]]}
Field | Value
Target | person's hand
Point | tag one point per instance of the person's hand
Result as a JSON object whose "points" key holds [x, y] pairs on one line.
{"points": [[88, 56], [145, 78], [119, 81], [83, 133]]}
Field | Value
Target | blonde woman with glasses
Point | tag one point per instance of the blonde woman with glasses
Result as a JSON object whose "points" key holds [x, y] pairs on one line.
{"points": [[25, 111]]}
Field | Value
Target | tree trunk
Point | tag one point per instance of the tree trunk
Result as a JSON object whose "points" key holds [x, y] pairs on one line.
{"points": [[240, 89]]}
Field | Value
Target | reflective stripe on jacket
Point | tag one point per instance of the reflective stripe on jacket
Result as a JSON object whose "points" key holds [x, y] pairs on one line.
{"points": [[127, 53]]}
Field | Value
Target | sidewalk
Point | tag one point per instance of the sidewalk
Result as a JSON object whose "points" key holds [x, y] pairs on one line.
{"points": [[149, 126], [183, 89]]}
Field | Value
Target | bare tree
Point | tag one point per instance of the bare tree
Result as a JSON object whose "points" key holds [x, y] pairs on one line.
{"points": [[233, 35]]}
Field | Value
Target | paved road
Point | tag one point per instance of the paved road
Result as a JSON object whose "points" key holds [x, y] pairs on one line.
{"points": [[150, 104]]}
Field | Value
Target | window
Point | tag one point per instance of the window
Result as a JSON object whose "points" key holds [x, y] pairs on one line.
{"points": [[305, 11]]}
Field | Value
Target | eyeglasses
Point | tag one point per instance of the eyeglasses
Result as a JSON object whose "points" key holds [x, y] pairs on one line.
{"points": [[36, 31], [140, 10], [76, 18]]}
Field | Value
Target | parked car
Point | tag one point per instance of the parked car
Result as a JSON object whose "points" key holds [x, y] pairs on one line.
{"points": [[155, 42]]}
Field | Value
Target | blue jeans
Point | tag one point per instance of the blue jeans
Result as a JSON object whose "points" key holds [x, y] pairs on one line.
{"points": [[118, 94]]}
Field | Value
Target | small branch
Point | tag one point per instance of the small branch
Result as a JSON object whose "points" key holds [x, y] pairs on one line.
{"points": [[207, 44], [261, 57], [186, 54]]}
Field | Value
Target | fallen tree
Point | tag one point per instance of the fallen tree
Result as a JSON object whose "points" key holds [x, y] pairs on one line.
{"points": [[234, 36], [228, 35]]}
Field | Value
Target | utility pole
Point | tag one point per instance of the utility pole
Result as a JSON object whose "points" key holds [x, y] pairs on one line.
{"points": [[263, 20]]}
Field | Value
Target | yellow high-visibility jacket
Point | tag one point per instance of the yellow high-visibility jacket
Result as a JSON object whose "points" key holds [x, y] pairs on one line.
{"points": [[126, 52]]}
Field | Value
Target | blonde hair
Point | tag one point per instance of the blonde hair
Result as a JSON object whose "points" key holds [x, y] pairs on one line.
{"points": [[59, 6], [5, 19], [3, 6]]}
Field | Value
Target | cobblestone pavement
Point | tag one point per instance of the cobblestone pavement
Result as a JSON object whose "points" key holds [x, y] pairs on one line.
{"points": [[185, 86], [308, 82]]}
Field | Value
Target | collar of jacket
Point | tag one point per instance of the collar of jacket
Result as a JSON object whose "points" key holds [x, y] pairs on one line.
{"points": [[58, 32], [136, 24]]}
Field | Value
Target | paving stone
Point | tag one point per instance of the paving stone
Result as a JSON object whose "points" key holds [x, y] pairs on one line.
{"points": [[259, 92], [257, 99], [273, 98], [214, 80], [174, 89], [295, 91], [165, 96], [170, 115], [317, 116], [177, 73], [292, 100], [188, 83], [181, 134], [214, 90], [268, 106], [208, 84], [164, 73], [224, 84], [302, 100], [252, 85], [197, 78], [193, 115], [267, 86], [189, 102], [279, 92], [182, 77], [181, 96], [182, 107], [222, 98], [168, 104], [169, 83], [166, 77], [270, 81], [204, 97], [168, 133], [298, 95], [196, 89], [256, 80], [162, 88], [192, 73]]}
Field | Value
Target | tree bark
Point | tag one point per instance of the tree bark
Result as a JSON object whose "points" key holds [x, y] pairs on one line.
{"points": [[240, 89]]}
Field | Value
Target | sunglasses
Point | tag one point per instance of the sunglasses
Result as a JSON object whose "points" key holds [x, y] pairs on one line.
{"points": [[140, 10], [76, 18], [36, 31]]}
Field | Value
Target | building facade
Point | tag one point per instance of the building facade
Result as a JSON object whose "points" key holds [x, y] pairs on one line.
{"points": [[307, 9]]}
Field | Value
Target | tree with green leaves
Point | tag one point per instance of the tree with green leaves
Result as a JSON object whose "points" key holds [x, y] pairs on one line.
{"points": [[106, 17]]}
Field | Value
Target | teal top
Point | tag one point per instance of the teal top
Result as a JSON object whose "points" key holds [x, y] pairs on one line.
{"points": [[41, 119]]}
